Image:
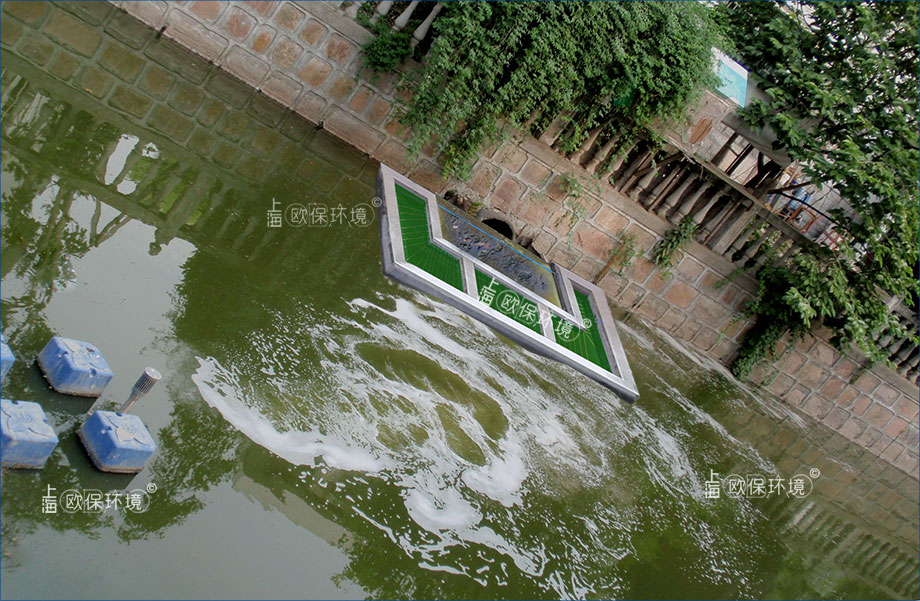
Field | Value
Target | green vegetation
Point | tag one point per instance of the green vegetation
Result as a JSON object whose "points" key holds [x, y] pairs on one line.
{"points": [[614, 65], [624, 255], [388, 48], [843, 87], [669, 250]]}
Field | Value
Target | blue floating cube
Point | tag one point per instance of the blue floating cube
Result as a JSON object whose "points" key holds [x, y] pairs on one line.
{"points": [[117, 442], [7, 358], [74, 367], [26, 437]]}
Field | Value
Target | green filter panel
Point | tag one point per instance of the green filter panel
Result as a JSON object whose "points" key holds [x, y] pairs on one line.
{"points": [[585, 342], [417, 245], [508, 302]]}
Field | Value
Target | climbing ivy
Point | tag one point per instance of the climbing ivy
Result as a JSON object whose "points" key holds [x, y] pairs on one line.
{"points": [[388, 48], [617, 65], [842, 85], [669, 249]]}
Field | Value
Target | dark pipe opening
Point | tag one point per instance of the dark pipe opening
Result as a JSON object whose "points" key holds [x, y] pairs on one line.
{"points": [[501, 227]]}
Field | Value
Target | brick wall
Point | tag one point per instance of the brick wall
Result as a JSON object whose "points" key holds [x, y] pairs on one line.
{"points": [[306, 56]]}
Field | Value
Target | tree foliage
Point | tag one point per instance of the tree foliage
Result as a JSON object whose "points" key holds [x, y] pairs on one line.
{"points": [[610, 64], [843, 88]]}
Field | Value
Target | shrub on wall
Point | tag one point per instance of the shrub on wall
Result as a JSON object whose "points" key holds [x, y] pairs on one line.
{"points": [[617, 65]]}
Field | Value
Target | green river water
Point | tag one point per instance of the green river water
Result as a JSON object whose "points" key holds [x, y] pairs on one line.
{"points": [[326, 433]]}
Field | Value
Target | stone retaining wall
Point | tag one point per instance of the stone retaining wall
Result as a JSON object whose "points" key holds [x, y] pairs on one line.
{"points": [[306, 56]]}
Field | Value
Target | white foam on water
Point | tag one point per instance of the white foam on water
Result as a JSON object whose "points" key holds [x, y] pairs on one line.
{"points": [[502, 478], [299, 448], [445, 511], [326, 398]]}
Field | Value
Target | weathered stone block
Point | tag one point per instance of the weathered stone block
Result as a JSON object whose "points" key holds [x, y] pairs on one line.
{"points": [[312, 32], [28, 12], [266, 110], [95, 82], [817, 407], [535, 173], [895, 426], [202, 141], [394, 155], [867, 383], [355, 131], [170, 123], [878, 415], [689, 269], [339, 50], [378, 111], [234, 125], [10, 32], [262, 7], [123, 63], [245, 65], [175, 58], [610, 221], [709, 311], [645, 239], [262, 38], [315, 72], [360, 99], [282, 88], [342, 86], [72, 33], [853, 428], [836, 418], [793, 362], [36, 50], [227, 155], [196, 37], [126, 99], [186, 98], [263, 141], [289, 17], [150, 12], [210, 112], [847, 396], [832, 388], [511, 157], [507, 192], [907, 408], [238, 23], [632, 295], [812, 375], [286, 53], [657, 282], [229, 90], [681, 295], [207, 9], [705, 339], [592, 241], [861, 405], [672, 320], [429, 175], [797, 395], [157, 81], [311, 106]]}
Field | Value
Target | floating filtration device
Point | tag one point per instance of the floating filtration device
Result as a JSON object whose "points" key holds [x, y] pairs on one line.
{"points": [[119, 442], [7, 358], [545, 308], [74, 367], [27, 437]]}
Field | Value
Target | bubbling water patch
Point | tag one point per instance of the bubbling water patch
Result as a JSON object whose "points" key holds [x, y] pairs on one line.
{"points": [[411, 391]]}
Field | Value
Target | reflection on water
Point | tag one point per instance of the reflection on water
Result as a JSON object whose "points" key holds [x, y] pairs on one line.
{"points": [[421, 454]]}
